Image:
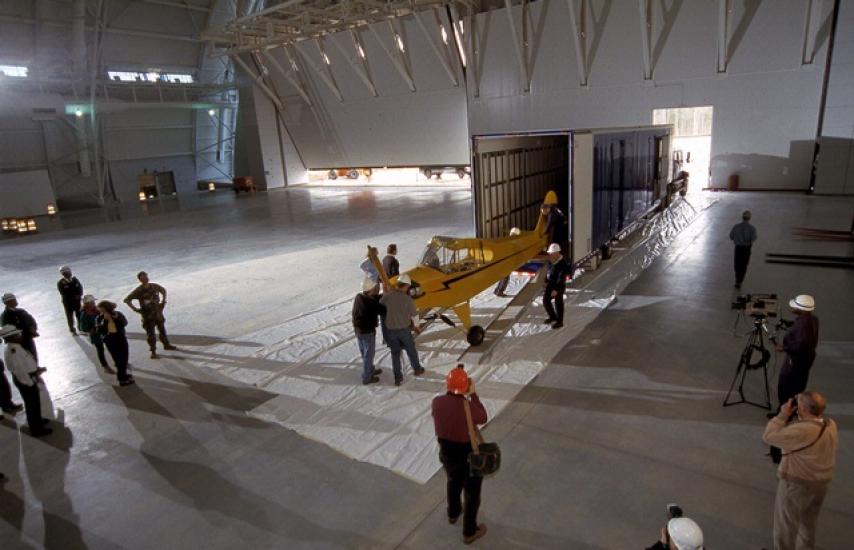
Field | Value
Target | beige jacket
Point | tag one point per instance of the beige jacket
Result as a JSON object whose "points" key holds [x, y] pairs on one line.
{"points": [[811, 465]]}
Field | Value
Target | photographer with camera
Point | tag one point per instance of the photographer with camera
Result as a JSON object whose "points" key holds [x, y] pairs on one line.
{"points": [[799, 344], [679, 533], [810, 446]]}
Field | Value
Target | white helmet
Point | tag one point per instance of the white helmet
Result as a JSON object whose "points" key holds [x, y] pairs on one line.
{"points": [[803, 302], [553, 248], [515, 232], [65, 268], [8, 297], [404, 280], [368, 284], [685, 534]]}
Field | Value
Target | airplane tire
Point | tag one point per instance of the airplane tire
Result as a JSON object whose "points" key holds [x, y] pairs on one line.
{"points": [[475, 335]]}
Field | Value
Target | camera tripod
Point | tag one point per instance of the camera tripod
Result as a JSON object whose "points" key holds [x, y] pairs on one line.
{"points": [[755, 344]]}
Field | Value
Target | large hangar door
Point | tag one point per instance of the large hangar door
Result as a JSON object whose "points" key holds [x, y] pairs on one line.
{"points": [[512, 175]]}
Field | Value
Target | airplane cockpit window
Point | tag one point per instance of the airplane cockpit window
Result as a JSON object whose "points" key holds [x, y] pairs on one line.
{"points": [[439, 256]]}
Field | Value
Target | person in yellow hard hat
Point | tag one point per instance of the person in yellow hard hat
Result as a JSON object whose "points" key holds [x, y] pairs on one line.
{"points": [[449, 420]]}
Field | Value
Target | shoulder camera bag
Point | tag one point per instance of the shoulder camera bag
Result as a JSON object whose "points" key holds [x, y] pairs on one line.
{"points": [[485, 458], [824, 423]]}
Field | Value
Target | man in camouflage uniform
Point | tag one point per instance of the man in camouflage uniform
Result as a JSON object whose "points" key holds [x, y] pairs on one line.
{"points": [[151, 309]]}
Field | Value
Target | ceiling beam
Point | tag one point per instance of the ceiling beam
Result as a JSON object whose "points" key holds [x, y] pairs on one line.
{"points": [[645, 8], [108, 30], [578, 21]]}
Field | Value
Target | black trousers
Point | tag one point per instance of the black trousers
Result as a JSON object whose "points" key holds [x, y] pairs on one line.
{"points": [[32, 406], [150, 323], [741, 259], [5, 389], [99, 348], [454, 458], [72, 313], [793, 379], [554, 312], [117, 345]]}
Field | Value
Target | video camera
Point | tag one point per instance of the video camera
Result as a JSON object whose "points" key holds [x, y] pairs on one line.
{"points": [[757, 305]]}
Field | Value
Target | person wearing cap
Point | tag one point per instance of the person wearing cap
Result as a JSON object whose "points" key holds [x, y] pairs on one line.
{"points": [[151, 309], [680, 534], [367, 266], [558, 271], [390, 264], [805, 472], [25, 373], [502, 284], [111, 324], [71, 292], [799, 345], [87, 323], [23, 321], [449, 422], [400, 318], [366, 312], [742, 235]]}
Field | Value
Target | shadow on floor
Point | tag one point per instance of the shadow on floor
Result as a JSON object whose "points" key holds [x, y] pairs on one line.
{"points": [[200, 340]]}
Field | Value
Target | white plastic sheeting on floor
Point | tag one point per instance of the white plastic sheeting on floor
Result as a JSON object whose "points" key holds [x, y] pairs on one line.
{"points": [[312, 362]]}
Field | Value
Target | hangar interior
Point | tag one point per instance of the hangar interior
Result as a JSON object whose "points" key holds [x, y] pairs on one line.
{"points": [[245, 152]]}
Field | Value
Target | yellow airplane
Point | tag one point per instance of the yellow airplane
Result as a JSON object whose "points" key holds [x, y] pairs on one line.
{"points": [[454, 270]]}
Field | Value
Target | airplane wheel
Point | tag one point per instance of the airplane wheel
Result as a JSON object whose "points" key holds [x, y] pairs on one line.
{"points": [[475, 335]]}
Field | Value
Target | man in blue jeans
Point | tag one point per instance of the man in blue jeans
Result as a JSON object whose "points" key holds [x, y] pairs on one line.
{"points": [[401, 316], [366, 311]]}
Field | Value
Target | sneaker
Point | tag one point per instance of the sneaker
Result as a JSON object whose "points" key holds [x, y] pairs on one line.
{"points": [[13, 408], [549, 321], [374, 379], [481, 530], [557, 325], [377, 372], [169, 347], [418, 372]]}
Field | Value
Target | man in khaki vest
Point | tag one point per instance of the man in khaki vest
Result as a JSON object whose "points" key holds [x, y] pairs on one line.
{"points": [[809, 455]]}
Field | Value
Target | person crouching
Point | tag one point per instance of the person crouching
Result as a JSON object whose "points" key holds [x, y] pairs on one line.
{"points": [[111, 326]]}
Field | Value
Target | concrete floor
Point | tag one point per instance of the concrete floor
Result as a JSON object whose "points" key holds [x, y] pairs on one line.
{"points": [[625, 420]]}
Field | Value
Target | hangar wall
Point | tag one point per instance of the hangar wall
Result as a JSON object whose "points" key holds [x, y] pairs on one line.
{"points": [[765, 104], [835, 174], [399, 127]]}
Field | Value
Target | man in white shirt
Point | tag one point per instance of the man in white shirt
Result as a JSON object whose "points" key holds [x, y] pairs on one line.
{"points": [[25, 373]]}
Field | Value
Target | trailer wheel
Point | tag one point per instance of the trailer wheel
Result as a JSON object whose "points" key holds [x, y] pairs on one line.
{"points": [[333, 174], [461, 172], [353, 174], [475, 335], [428, 173]]}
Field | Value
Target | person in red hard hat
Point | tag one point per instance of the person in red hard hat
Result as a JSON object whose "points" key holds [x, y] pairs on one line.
{"points": [[449, 419]]}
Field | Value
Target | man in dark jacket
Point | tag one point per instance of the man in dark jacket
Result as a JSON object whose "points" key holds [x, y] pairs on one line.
{"points": [[390, 263], [72, 292], [799, 344], [742, 235], [449, 421], [23, 321], [366, 312], [556, 275]]}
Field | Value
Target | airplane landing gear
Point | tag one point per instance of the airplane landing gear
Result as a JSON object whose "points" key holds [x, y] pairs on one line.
{"points": [[475, 335]]}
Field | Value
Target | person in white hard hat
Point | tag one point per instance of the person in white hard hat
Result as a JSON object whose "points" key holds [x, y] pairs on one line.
{"points": [[25, 373], [71, 291], [23, 321], [799, 344], [556, 275], [366, 312], [680, 534], [502, 284], [401, 317]]}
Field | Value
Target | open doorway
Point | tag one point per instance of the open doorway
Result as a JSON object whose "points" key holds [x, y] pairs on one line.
{"points": [[692, 141]]}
